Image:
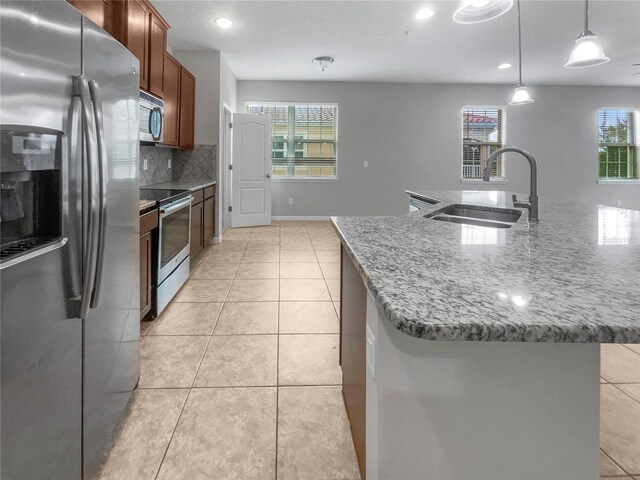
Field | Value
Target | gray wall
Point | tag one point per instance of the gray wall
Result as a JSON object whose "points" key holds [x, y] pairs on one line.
{"points": [[411, 136]]}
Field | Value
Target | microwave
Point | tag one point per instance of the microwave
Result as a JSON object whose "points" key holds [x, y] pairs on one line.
{"points": [[151, 118]]}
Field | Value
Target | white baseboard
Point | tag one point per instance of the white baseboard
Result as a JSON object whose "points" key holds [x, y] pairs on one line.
{"points": [[303, 217]]}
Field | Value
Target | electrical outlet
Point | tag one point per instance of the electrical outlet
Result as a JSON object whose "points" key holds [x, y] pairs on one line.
{"points": [[169, 163], [365, 164], [290, 201], [145, 164]]}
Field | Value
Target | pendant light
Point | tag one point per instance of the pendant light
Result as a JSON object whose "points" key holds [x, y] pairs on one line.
{"points": [[588, 51], [521, 94], [476, 11]]}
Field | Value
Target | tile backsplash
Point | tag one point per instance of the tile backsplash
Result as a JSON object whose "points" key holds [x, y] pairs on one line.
{"points": [[197, 164]]}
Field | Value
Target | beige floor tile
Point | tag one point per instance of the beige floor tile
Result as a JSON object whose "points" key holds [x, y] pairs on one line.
{"points": [[254, 271], [330, 270], [328, 256], [314, 440], [337, 307], [619, 364], [224, 433], [187, 319], [297, 256], [303, 290], [300, 270], [634, 346], [309, 360], [228, 244], [239, 361], [631, 389], [296, 244], [215, 271], [260, 256], [264, 245], [308, 317], [619, 431], [325, 244], [334, 288], [144, 435], [608, 468], [237, 234], [209, 291], [170, 362], [602, 380], [248, 318], [229, 256], [254, 291]]}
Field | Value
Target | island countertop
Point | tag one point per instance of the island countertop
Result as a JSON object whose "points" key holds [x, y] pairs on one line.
{"points": [[573, 277]]}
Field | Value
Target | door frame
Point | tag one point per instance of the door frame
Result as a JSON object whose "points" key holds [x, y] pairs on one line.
{"points": [[226, 153]]}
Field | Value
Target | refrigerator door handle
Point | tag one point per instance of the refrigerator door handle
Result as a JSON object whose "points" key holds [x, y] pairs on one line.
{"points": [[94, 89], [90, 253]]}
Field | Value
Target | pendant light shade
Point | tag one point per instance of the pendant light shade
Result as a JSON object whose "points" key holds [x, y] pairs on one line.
{"points": [[476, 11], [587, 51], [521, 94]]}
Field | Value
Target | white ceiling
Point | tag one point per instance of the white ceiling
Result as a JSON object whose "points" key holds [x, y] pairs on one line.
{"points": [[381, 40]]}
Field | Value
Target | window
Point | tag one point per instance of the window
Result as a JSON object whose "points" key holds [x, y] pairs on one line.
{"points": [[482, 134], [618, 143], [304, 138]]}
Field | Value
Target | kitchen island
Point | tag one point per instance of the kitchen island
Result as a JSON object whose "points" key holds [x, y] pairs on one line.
{"points": [[474, 351]]}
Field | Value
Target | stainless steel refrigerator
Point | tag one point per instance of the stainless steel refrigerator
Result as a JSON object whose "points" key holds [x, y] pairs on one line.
{"points": [[69, 268]]}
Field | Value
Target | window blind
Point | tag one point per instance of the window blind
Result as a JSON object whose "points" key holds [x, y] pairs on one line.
{"points": [[304, 138], [617, 143], [483, 133]]}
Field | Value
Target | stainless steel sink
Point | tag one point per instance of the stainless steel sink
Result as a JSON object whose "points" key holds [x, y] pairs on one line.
{"points": [[492, 217]]}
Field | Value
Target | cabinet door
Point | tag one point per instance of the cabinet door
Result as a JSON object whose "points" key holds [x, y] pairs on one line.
{"points": [[197, 243], [187, 107], [137, 36], [208, 219], [171, 100], [98, 11], [157, 49], [146, 261]]}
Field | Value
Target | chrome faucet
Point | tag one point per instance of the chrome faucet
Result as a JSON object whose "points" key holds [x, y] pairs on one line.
{"points": [[532, 204]]}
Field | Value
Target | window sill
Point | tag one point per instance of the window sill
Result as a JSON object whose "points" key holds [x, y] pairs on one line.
{"points": [[606, 181], [478, 180], [305, 179]]}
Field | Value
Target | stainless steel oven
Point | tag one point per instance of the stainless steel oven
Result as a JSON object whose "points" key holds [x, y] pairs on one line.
{"points": [[173, 249], [151, 118]]}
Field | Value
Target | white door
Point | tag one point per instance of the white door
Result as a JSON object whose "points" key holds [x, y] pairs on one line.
{"points": [[251, 174]]}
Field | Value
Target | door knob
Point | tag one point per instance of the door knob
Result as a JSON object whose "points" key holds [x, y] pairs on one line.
{"points": [[268, 175]]}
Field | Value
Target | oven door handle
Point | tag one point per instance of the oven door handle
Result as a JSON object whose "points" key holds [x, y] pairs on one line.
{"points": [[172, 207]]}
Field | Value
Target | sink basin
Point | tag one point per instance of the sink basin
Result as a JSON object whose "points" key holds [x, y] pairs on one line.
{"points": [[476, 215]]}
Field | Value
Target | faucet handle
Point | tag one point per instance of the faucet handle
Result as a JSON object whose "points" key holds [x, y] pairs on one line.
{"points": [[519, 204]]}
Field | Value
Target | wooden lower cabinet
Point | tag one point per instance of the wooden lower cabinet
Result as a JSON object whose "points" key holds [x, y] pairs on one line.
{"points": [[197, 243], [146, 264], [353, 353], [148, 229], [208, 219]]}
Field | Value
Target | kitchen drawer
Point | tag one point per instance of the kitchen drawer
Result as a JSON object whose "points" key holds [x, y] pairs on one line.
{"points": [[209, 192], [198, 196], [148, 221]]}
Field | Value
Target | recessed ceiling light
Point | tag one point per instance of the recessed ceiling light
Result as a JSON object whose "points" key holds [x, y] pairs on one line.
{"points": [[504, 66], [424, 13], [224, 22]]}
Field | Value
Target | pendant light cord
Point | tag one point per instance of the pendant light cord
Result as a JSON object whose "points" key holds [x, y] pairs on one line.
{"points": [[519, 48], [586, 15]]}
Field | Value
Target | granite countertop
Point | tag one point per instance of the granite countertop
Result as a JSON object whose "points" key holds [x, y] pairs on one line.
{"points": [[184, 185], [573, 277], [147, 204]]}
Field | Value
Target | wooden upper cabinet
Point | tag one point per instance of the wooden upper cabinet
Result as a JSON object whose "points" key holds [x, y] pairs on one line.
{"points": [[157, 49], [136, 36], [99, 12], [171, 101], [187, 108]]}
